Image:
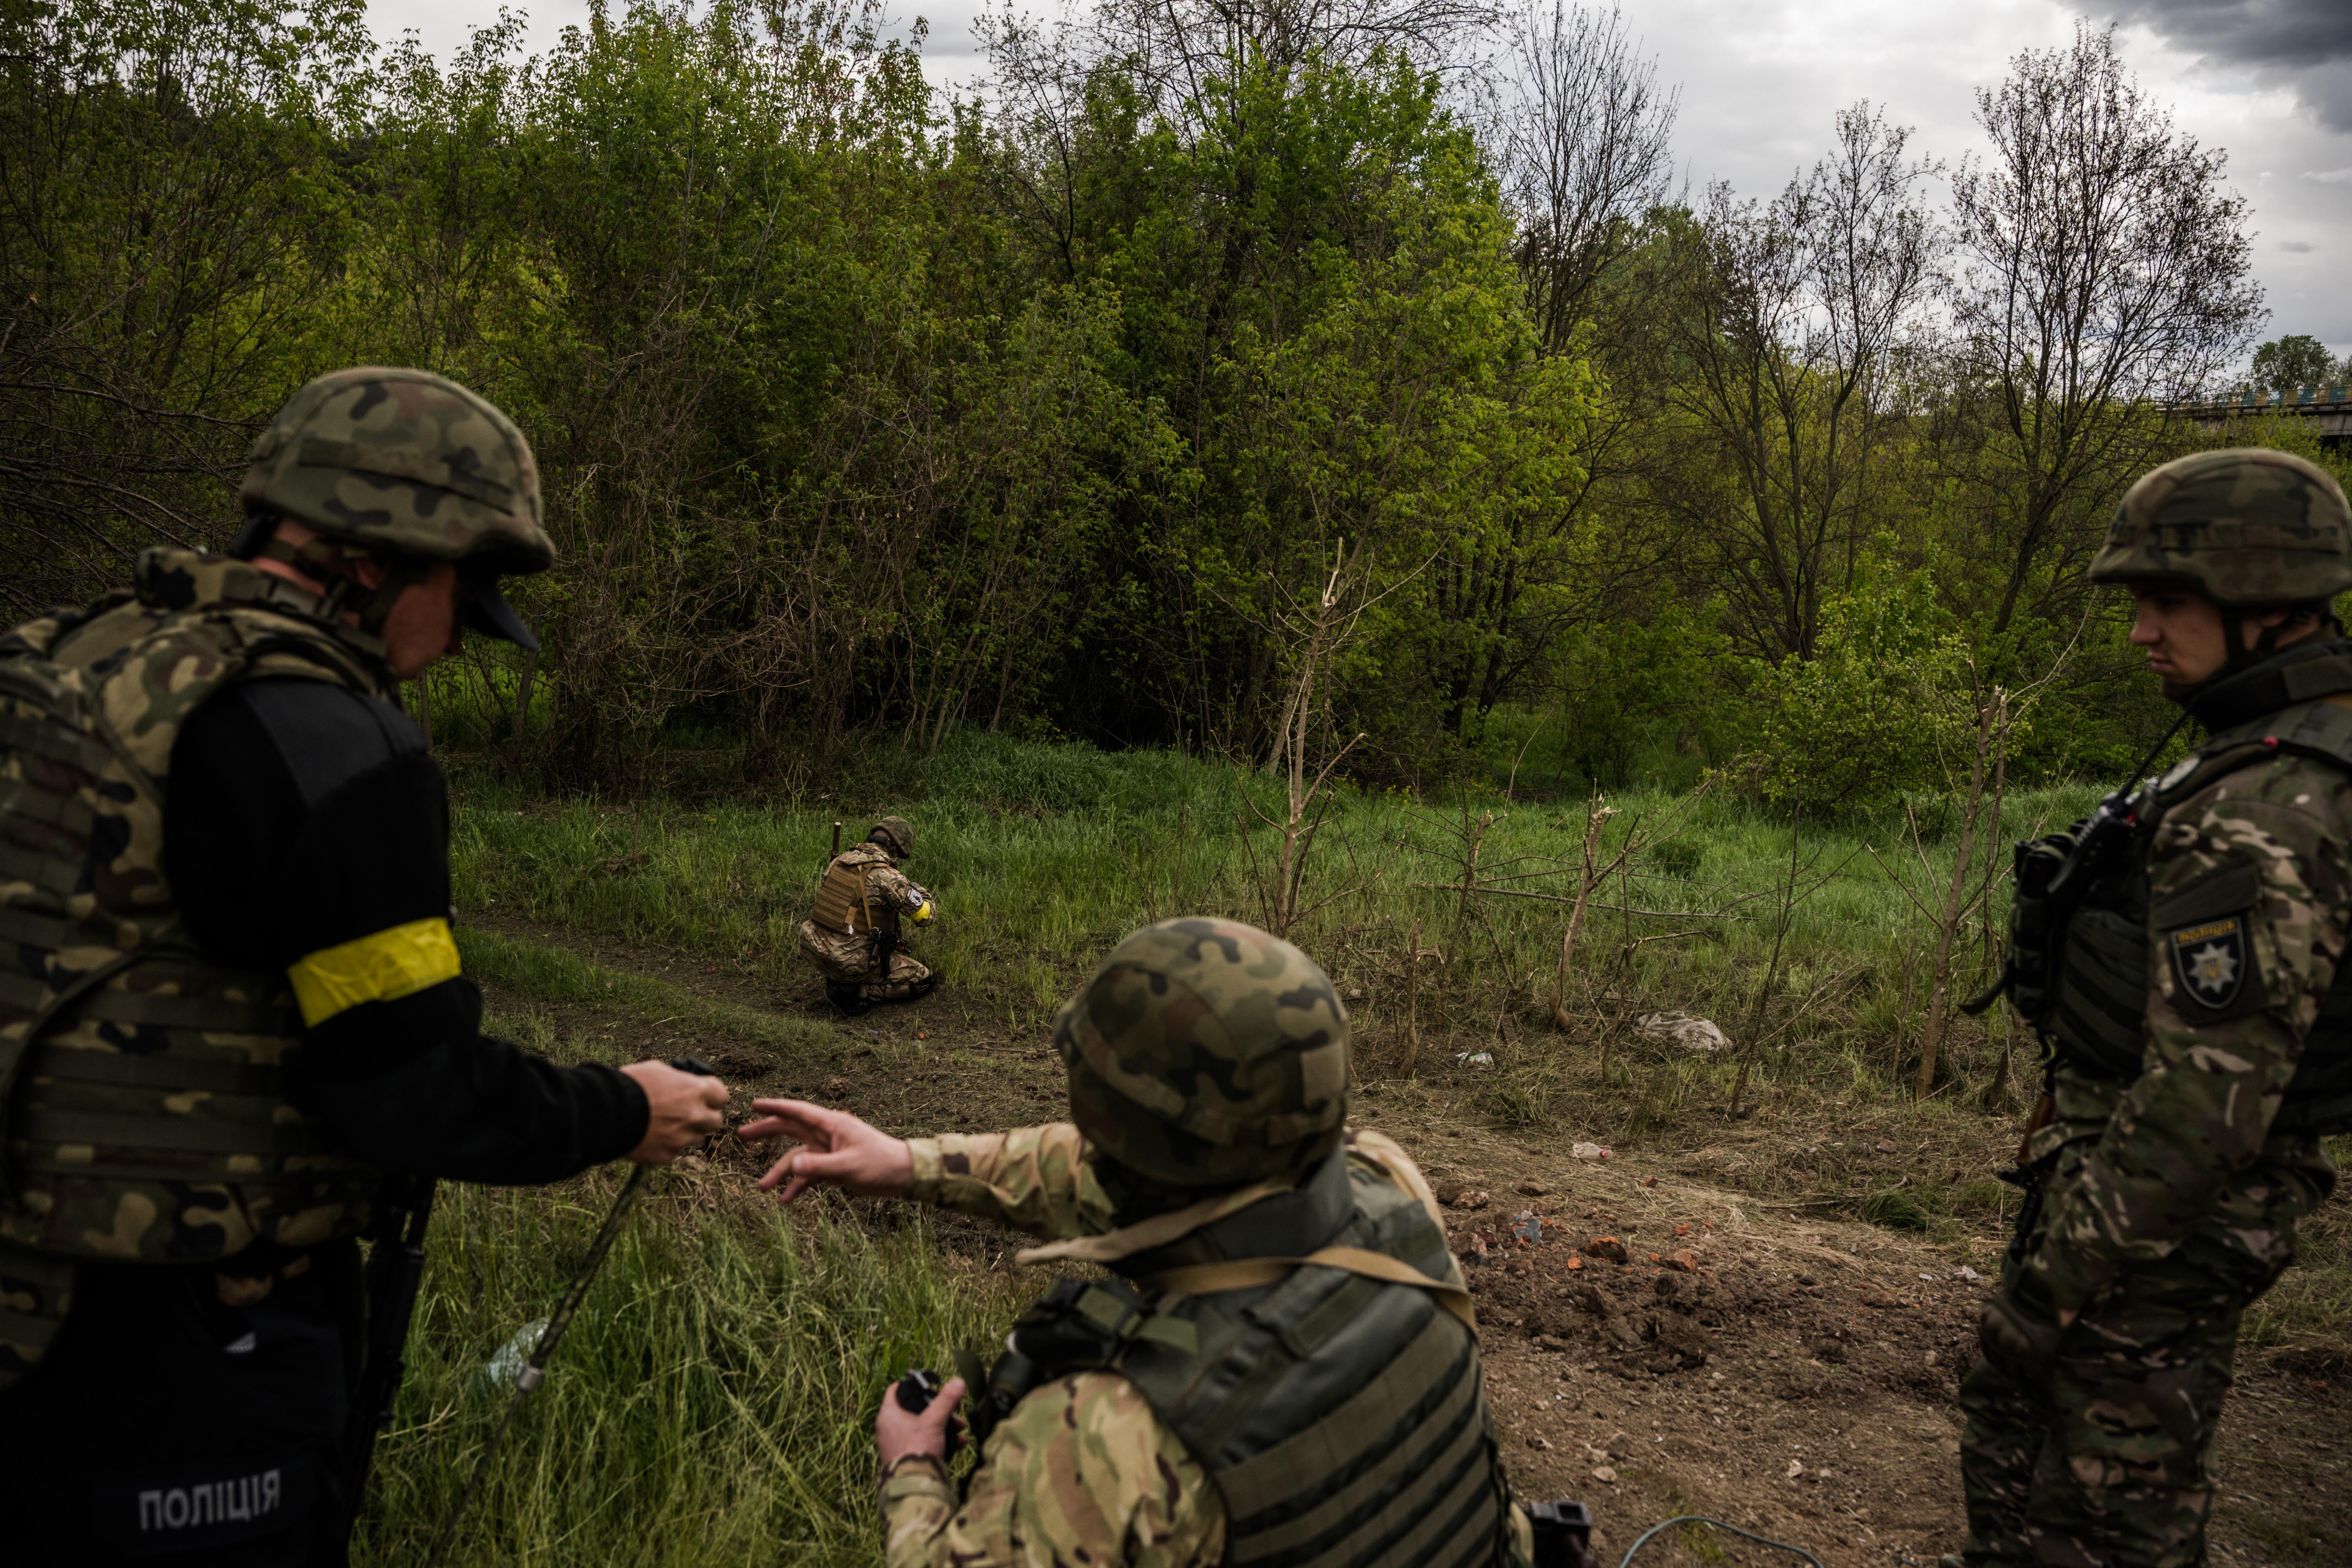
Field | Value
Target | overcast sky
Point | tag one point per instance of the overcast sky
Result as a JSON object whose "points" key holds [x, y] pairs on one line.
{"points": [[2268, 80]]}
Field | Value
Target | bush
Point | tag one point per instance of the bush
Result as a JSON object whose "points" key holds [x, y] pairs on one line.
{"points": [[1883, 706]]}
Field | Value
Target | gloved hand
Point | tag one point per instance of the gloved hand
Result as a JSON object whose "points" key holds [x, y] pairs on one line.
{"points": [[2020, 1332]]}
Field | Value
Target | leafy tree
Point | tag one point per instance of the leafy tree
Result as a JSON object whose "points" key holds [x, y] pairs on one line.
{"points": [[168, 216], [2296, 359]]}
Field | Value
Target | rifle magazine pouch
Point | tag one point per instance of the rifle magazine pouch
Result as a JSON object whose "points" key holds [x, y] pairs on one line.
{"points": [[2034, 927], [36, 1294]]}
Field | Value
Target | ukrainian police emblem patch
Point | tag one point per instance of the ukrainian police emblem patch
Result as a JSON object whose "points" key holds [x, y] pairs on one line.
{"points": [[2209, 959]]}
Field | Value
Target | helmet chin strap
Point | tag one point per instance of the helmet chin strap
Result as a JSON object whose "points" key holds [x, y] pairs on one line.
{"points": [[2266, 645], [323, 563], [2241, 657]]}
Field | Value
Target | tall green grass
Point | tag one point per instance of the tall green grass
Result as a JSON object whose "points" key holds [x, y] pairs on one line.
{"points": [[713, 1402], [1042, 856]]}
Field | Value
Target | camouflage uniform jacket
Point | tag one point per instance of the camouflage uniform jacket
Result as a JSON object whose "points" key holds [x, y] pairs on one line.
{"points": [[1084, 1461], [2141, 1162]]}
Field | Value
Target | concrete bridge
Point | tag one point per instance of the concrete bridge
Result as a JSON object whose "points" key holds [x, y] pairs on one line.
{"points": [[2331, 407]]}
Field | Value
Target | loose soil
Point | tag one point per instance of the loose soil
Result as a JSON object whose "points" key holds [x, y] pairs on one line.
{"points": [[1656, 1341]]}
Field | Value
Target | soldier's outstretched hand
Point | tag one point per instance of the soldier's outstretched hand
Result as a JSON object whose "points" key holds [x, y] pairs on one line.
{"points": [[836, 1148]]}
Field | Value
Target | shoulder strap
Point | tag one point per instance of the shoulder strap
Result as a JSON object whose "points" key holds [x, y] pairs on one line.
{"points": [[2320, 731], [1242, 1273]]}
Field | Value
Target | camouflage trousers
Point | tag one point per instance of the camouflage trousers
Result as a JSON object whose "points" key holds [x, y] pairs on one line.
{"points": [[849, 961], [2107, 1461]]}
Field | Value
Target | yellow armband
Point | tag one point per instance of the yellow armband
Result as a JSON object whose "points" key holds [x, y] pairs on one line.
{"points": [[923, 911], [390, 964]]}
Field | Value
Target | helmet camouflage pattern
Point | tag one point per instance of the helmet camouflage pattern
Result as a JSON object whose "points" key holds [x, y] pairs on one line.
{"points": [[900, 833], [404, 460], [2241, 526], [1206, 1053]]}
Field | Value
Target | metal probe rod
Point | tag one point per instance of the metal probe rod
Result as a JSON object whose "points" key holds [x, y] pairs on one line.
{"points": [[534, 1366]]}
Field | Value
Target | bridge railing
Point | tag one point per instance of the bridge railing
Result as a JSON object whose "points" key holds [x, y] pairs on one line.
{"points": [[2294, 400]]}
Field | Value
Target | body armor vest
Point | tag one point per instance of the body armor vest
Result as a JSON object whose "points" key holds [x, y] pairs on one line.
{"points": [[1342, 1418], [845, 904], [145, 1115], [2098, 990]]}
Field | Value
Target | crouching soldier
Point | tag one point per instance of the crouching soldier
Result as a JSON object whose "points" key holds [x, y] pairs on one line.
{"points": [[853, 937], [1282, 1364]]}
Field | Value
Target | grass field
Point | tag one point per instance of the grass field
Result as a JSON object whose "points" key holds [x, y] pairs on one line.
{"points": [[1042, 857], [714, 1402], [720, 1377]]}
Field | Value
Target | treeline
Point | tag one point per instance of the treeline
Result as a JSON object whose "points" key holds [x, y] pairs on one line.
{"points": [[1210, 350]]}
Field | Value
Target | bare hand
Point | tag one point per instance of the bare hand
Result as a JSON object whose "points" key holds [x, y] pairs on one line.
{"points": [[898, 1432], [683, 1109], [2066, 1316], [837, 1149]]}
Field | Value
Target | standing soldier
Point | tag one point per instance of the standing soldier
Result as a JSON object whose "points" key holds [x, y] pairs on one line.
{"points": [[2183, 961], [233, 1031], [853, 937], [1282, 1364]]}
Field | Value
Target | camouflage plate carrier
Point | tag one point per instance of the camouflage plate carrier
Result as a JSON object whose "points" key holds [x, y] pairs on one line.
{"points": [[845, 904], [140, 1081], [1343, 1417], [2097, 999]]}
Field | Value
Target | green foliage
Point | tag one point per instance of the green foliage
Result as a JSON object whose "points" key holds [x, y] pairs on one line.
{"points": [[1884, 707], [2296, 359], [865, 416]]}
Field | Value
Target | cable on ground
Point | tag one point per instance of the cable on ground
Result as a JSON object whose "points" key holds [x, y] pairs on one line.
{"points": [[1701, 1519]]}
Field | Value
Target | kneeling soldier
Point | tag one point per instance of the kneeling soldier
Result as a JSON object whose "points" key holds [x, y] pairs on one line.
{"points": [[1284, 1365], [854, 936]]}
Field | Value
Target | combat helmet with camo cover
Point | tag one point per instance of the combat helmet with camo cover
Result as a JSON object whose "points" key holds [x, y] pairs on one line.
{"points": [[407, 466], [2243, 526], [898, 834], [1206, 1053]]}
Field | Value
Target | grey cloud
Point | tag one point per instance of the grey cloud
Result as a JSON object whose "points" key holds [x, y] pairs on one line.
{"points": [[2291, 33], [2297, 247], [2328, 177], [2306, 43]]}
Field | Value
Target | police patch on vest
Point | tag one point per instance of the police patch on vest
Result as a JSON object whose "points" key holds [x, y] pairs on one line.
{"points": [[156, 1516], [2210, 959]]}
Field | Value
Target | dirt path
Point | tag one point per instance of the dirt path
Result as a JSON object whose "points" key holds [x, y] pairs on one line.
{"points": [[1656, 1343]]}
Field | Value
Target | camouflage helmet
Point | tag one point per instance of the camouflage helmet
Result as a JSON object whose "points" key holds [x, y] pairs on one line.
{"points": [[1204, 1053], [405, 461], [2241, 526], [897, 836]]}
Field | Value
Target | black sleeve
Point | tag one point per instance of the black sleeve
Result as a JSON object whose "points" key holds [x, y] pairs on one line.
{"points": [[301, 816], [414, 1086]]}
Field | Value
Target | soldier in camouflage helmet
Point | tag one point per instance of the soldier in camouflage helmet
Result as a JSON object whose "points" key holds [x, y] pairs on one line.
{"points": [[1208, 1165], [399, 471], [2199, 1022], [234, 1034], [855, 935]]}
